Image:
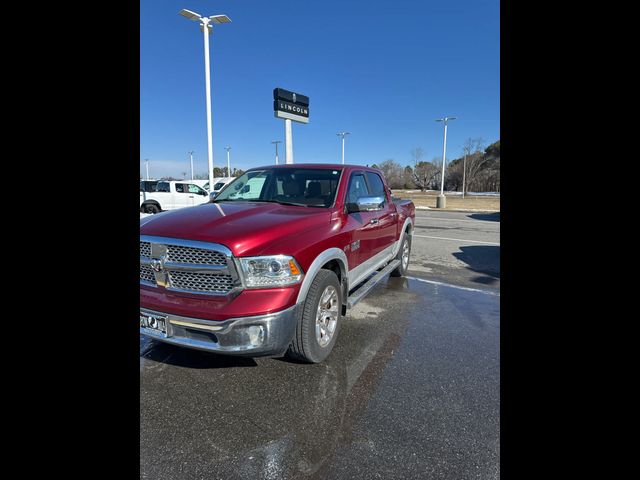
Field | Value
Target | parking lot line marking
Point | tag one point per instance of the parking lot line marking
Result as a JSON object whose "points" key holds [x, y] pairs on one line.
{"points": [[431, 217], [457, 239], [488, 292]]}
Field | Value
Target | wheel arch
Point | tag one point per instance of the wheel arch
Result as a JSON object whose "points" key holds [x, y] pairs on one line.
{"points": [[332, 259]]}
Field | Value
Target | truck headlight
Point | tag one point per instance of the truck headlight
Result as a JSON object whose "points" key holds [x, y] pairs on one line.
{"points": [[270, 271]]}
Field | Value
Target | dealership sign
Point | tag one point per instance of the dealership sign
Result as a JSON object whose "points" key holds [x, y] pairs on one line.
{"points": [[291, 106]]}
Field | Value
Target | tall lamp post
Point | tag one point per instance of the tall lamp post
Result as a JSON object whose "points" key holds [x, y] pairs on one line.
{"points": [[342, 134], [191, 158], [464, 170], [228, 161], [146, 164], [441, 201], [207, 28], [277, 142]]}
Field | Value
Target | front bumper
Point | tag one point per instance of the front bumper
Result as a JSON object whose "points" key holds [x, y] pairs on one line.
{"points": [[264, 335]]}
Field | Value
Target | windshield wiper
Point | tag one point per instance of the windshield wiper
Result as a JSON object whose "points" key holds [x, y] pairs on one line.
{"points": [[286, 203]]}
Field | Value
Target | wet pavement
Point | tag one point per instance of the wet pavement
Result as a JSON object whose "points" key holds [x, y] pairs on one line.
{"points": [[411, 390], [458, 248]]}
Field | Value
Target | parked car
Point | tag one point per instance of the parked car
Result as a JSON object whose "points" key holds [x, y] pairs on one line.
{"points": [[272, 265], [170, 195]]}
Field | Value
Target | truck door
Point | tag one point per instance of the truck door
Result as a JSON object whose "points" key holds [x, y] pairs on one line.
{"points": [[163, 196], [197, 195], [181, 196], [387, 218], [363, 236]]}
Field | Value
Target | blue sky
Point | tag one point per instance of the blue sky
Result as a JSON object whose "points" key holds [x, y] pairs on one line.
{"points": [[380, 69]]}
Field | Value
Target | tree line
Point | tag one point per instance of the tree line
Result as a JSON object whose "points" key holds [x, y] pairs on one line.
{"points": [[480, 170]]}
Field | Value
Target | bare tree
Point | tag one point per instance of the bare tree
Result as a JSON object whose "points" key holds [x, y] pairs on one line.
{"points": [[393, 173], [476, 162], [425, 173], [417, 154]]}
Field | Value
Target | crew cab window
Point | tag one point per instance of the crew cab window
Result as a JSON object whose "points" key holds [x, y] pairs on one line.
{"points": [[357, 188], [196, 189], [148, 186], [180, 187], [218, 186], [163, 187], [376, 186]]}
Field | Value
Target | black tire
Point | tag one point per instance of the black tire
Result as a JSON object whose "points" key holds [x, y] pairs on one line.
{"points": [[305, 345], [402, 268], [151, 208]]}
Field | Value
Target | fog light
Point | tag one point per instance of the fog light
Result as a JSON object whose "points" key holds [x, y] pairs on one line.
{"points": [[256, 334]]}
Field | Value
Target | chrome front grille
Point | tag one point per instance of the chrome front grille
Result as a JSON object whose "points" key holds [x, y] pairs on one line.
{"points": [[187, 266], [201, 282], [196, 256], [145, 249], [146, 274]]}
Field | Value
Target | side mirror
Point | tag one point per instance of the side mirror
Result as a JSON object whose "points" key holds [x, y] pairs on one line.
{"points": [[369, 204], [212, 196]]}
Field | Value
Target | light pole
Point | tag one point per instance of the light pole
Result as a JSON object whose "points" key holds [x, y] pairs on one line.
{"points": [[277, 142], [441, 200], [146, 164], [191, 157], [207, 28], [228, 161], [342, 134], [464, 170]]}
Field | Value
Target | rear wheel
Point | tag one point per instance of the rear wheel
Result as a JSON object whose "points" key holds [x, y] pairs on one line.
{"points": [[403, 256], [318, 326], [151, 208]]}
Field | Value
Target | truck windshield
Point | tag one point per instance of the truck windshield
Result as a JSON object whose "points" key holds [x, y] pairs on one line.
{"points": [[307, 187]]}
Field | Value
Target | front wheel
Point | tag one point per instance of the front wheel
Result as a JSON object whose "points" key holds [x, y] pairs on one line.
{"points": [[403, 256], [318, 326], [151, 208]]}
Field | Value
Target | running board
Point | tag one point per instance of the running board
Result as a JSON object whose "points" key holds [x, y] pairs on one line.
{"points": [[362, 291]]}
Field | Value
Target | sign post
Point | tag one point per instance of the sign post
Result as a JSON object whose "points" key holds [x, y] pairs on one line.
{"points": [[290, 107]]}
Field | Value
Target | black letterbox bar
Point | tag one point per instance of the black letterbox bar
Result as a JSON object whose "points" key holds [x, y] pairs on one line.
{"points": [[282, 94]]}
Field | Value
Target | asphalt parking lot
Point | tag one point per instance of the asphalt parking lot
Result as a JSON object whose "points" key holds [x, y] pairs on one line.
{"points": [[411, 389], [457, 248]]}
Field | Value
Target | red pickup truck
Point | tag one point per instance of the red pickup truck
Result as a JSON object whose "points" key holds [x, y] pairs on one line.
{"points": [[272, 264]]}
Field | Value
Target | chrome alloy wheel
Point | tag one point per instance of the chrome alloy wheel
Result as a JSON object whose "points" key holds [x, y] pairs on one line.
{"points": [[327, 316], [405, 255]]}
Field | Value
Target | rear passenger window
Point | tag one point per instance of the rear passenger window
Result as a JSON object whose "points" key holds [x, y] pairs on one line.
{"points": [[376, 186]]}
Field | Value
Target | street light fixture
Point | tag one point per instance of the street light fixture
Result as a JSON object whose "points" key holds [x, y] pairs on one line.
{"points": [[441, 200], [276, 143], [342, 134], [207, 29]]}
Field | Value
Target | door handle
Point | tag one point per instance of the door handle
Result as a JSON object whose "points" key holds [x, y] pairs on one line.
{"points": [[374, 221], [190, 196]]}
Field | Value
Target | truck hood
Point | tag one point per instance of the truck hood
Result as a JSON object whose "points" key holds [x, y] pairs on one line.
{"points": [[247, 228]]}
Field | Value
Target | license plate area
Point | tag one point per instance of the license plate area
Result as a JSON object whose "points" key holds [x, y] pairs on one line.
{"points": [[154, 325]]}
